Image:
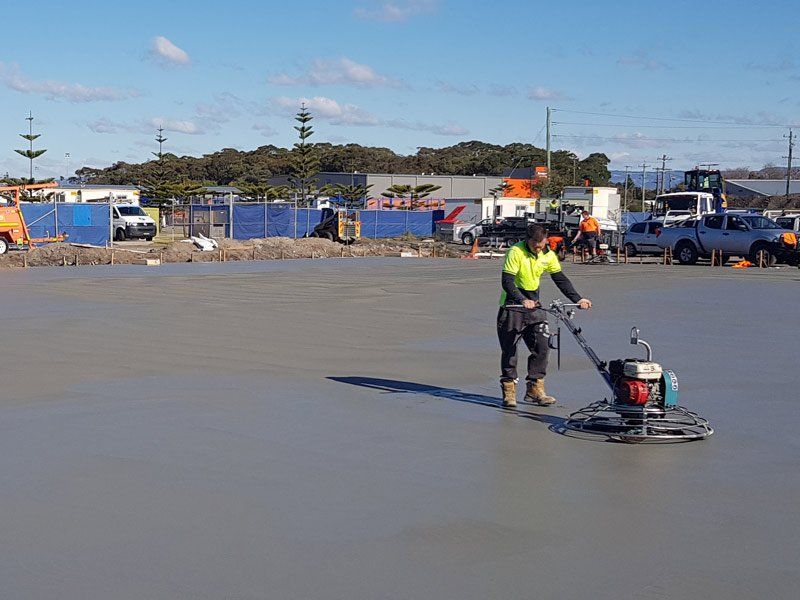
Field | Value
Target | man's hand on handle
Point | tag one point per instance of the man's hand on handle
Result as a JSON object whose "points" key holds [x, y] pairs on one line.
{"points": [[530, 304], [584, 304]]}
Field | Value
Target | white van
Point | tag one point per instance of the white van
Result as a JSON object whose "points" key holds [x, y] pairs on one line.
{"points": [[131, 222]]}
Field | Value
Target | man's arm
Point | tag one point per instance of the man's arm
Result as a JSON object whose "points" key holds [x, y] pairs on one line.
{"points": [[565, 287], [511, 289]]}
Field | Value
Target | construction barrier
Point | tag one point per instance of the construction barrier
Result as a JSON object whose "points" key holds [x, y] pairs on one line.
{"points": [[83, 223]]}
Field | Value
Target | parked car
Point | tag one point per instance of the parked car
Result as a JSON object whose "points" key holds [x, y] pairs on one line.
{"points": [[642, 238], [747, 235]]}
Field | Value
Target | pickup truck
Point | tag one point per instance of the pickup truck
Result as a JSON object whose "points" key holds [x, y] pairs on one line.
{"points": [[747, 235]]}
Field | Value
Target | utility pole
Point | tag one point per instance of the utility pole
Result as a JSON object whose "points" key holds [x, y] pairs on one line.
{"points": [[625, 193], [574, 168], [664, 158], [644, 166], [792, 137], [549, 175]]}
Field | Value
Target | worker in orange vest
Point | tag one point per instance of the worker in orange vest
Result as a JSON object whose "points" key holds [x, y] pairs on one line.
{"points": [[588, 231]]}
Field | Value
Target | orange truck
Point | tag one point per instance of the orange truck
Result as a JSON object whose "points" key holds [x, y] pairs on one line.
{"points": [[13, 230]]}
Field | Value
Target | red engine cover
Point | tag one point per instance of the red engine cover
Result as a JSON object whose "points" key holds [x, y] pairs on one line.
{"points": [[632, 391]]}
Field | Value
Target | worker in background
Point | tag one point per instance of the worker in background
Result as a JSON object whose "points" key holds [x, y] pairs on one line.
{"points": [[588, 231], [519, 317], [554, 205]]}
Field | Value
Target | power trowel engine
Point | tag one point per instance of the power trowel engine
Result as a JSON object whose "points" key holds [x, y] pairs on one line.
{"points": [[637, 382]]}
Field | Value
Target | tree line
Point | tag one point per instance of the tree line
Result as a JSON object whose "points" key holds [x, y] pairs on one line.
{"points": [[169, 175]]}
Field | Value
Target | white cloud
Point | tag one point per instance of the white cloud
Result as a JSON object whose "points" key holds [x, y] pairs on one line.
{"points": [[446, 129], [397, 11], [176, 125], [105, 125], [342, 71], [542, 93], [59, 90], [327, 109], [265, 130], [167, 53], [336, 113]]}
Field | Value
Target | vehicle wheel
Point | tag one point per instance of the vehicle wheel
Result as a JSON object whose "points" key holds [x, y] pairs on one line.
{"points": [[468, 239], [119, 235], [761, 253], [3, 246], [510, 241], [149, 239], [686, 253], [630, 249], [327, 235], [313, 234]]}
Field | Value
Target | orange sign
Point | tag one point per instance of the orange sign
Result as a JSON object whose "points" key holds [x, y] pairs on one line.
{"points": [[520, 188]]}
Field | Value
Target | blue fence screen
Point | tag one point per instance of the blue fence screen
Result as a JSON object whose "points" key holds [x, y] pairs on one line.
{"points": [[83, 223], [259, 220]]}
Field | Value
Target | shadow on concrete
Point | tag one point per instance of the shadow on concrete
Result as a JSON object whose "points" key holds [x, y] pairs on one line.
{"points": [[393, 386]]}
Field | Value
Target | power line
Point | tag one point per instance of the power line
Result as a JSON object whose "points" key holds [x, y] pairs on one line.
{"points": [[642, 117], [650, 139], [664, 126]]}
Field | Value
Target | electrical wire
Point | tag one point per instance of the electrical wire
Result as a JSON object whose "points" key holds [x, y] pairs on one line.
{"points": [[647, 118], [649, 139], [662, 126]]}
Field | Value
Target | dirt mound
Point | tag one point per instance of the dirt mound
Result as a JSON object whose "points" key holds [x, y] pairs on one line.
{"points": [[275, 248]]}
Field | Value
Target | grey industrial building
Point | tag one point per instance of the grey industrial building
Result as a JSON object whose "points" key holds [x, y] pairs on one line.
{"points": [[751, 189], [453, 187]]}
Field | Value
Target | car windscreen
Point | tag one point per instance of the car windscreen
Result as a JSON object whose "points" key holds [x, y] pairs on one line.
{"points": [[131, 211], [761, 222]]}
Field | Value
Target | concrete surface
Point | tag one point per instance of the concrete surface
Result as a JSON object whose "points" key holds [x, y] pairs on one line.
{"points": [[329, 430]]}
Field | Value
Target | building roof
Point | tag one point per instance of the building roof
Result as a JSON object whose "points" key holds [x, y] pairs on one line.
{"points": [[222, 189], [763, 187], [92, 186]]}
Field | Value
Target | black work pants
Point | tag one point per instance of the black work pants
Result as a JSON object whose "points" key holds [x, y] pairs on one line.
{"points": [[531, 326]]}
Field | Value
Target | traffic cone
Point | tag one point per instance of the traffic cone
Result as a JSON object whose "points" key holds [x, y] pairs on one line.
{"points": [[473, 251]]}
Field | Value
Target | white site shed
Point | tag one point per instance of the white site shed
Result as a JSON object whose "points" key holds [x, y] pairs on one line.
{"points": [[502, 207]]}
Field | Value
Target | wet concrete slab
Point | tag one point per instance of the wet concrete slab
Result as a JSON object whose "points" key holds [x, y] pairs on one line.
{"points": [[331, 429]]}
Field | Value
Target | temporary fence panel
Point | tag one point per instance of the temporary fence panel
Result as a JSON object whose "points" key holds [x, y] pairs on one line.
{"points": [[285, 220], [394, 223], [249, 221], [83, 223], [209, 220]]}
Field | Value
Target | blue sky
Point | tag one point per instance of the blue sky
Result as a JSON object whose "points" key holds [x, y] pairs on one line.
{"points": [[100, 77]]}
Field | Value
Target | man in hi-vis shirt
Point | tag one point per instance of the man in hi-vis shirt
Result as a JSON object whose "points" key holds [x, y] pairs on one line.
{"points": [[519, 317]]}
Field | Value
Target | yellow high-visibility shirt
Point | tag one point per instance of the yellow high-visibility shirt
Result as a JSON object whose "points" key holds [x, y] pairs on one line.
{"points": [[528, 267]]}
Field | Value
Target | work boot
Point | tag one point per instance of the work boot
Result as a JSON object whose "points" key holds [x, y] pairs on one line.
{"points": [[535, 393], [509, 387]]}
